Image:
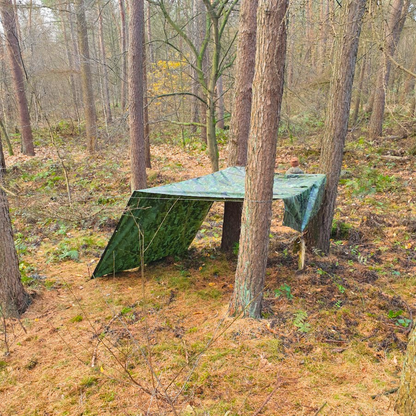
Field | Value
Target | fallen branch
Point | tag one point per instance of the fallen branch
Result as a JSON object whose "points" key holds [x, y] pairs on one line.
{"points": [[260, 409], [385, 393], [319, 410], [395, 158]]}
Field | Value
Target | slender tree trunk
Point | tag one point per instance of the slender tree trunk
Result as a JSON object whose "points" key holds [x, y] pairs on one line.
{"points": [[213, 77], [337, 120], [359, 90], [6, 136], [392, 34], [149, 35], [123, 47], [240, 128], [16, 63], [220, 101], [195, 35], [86, 78], [2, 159], [70, 64], [13, 298], [106, 89], [145, 105], [137, 139], [409, 84], [265, 114]]}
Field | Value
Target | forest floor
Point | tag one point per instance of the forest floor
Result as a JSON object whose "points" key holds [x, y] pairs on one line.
{"points": [[333, 337]]}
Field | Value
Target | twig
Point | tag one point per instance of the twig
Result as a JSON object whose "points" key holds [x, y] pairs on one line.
{"points": [[7, 191], [385, 393], [260, 409], [319, 410]]}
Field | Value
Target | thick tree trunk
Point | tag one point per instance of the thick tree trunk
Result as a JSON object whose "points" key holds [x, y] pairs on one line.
{"points": [[123, 47], [106, 89], [337, 120], [13, 298], [265, 115], [86, 78], [137, 140], [406, 400], [240, 126], [16, 64], [392, 34]]}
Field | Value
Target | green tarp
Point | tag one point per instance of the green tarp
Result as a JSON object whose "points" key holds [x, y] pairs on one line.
{"points": [[163, 221]]}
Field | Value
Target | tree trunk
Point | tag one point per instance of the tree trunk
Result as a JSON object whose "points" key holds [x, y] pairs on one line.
{"points": [[137, 143], [123, 47], [13, 298], [86, 78], [196, 28], [16, 63], [6, 136], [149, 35], [392, 34], [240, 128], [220, 101], [265, 114], [145, 105], [2, 159], [70, 59], [337, 121], [106, 89], [406, 400], [359, 91]]}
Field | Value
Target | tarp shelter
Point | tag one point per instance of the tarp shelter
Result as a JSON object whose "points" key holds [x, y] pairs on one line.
{"points": [[163, 221]]}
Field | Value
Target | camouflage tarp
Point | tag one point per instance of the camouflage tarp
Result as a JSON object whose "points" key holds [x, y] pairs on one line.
{"points": [[163, 221]]}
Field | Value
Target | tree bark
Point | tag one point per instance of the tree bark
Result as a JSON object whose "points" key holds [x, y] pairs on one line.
{"points": [[240, 127], [149, 34], [265, 115], [106, 89], [13, 298], [145, 105], [2, 159], [70, 59], [359, 91], [392, 34], [123, 47], [86, 78], [135, 59], [16, 64], [220, 101], [337, 121]]}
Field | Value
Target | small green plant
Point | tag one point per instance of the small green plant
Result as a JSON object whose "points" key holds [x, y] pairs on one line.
{"points": [[77, 318], [236, 248], [400, 320], [88, 381], [404, 322], [300, 321], [371, 181], [284, 290]]}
